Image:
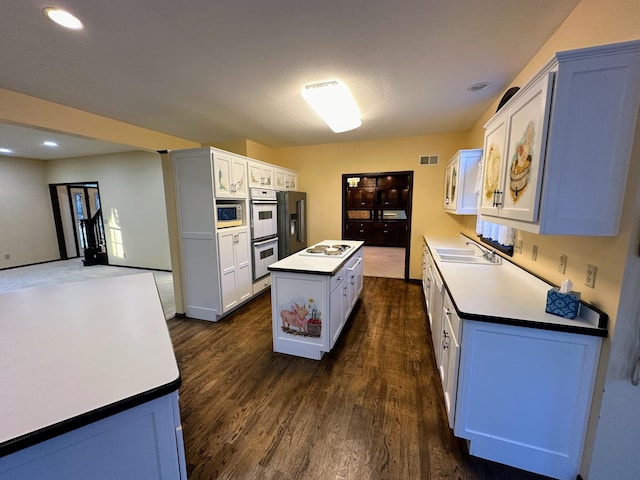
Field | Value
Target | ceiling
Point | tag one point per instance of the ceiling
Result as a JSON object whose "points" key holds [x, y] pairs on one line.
{"points": [[224, 70]]}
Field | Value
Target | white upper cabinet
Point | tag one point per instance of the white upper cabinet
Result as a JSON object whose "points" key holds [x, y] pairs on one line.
{"points": [[260, 175], [511, 186], [291, 180], [230, 175], [285, 179], [459, 182], [278, 176], [556, 155]]}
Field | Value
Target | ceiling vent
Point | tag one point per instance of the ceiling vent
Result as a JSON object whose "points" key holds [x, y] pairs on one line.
{"points": [[428, 160]]}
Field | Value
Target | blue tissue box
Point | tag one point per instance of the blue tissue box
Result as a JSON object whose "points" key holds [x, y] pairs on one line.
{"points": [[564, 305]]}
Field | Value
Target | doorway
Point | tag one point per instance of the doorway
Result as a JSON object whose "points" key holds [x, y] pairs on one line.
{"points": [[78, 220], [376, 209]]}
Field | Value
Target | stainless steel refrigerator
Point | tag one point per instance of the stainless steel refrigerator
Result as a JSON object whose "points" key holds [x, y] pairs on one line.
{"points": [[292, 223]]}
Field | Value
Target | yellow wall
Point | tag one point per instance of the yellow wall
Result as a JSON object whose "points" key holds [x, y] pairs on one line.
{"points": [[29, 111], [320, 169], [259, 152]]}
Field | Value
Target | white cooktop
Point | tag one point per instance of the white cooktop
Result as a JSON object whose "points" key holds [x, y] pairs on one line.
{"points": [[316, 263], [327, 249]]}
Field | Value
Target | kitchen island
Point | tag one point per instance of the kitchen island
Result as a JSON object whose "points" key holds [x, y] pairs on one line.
{"points": [[89, 383], [312, 295], [518, 381]]}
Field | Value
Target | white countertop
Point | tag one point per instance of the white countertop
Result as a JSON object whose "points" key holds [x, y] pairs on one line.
{"points": [[319, 264], [503, 291], [67, 350]]}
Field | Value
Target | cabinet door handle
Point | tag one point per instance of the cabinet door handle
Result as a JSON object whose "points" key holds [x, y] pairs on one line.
{"points": [[355, 264]]}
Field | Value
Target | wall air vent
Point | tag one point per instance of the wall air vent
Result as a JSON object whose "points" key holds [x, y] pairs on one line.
{"points": [[428, 160]]}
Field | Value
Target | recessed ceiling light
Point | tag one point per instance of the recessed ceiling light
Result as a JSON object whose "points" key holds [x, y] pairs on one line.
{"points": [[5, 150], [478, 86], [62, 17], [49, 143]]}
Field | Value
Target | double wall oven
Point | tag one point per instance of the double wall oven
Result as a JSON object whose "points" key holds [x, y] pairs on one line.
{"points": [[264, 231]]}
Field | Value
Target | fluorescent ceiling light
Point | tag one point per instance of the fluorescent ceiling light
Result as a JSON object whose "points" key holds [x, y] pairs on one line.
{"points": [[333, 102], [62, 17], [49, 143]]}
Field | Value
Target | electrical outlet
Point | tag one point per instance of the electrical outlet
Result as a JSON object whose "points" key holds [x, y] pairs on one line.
{"points": [[534, 253], [590, 280], [562, 266], [517, 248]]}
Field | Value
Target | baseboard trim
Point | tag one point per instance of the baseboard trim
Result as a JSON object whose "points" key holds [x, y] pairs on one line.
{"points": [[65, 259], [141, 268], [36, 263]]}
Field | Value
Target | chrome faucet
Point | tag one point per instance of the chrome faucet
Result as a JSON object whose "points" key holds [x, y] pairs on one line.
{"points": [[489, 255]]}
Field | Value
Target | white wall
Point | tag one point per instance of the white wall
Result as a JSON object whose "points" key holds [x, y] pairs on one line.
{"points": [[133, 204], [27, 231]]}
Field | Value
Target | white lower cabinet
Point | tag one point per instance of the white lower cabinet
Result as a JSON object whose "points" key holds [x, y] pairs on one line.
{"points": [[354, 277], [310, 310], [427, 265], [436, 300], [338, 300], [524, 395], [140, 442], [234, 256], [450, 357]]}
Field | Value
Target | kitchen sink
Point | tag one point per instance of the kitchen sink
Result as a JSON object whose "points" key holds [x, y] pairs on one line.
{"points": [[460, 255], [456, 251], [465, 259]]}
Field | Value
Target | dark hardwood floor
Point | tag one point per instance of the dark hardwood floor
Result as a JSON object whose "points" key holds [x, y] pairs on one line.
{"points": [[371, 409]]}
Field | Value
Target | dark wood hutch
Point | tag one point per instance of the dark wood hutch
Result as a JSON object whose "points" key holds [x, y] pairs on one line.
{"points": [[376, 208]]}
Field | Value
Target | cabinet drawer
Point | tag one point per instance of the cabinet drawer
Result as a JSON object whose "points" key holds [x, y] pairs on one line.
{"points": [[338, 278], [450, 313], [354, 260]]}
